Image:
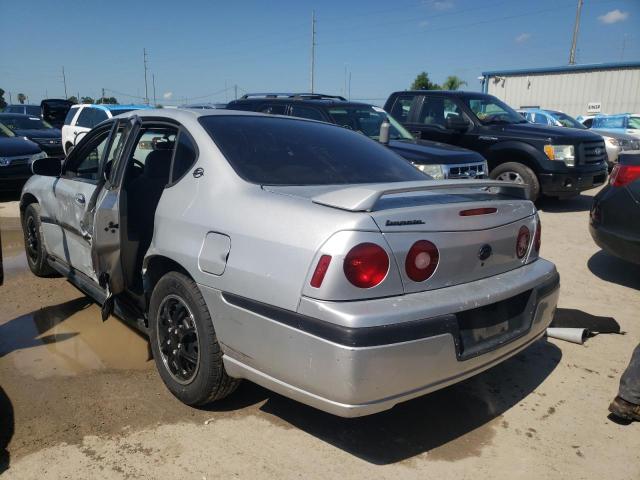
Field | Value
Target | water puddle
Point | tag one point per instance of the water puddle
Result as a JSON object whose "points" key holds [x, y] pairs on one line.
{"points": [[69, 339]]}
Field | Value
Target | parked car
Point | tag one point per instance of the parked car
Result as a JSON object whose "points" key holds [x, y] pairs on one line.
{"points": [[54, 110], [587, 120], [296, 254], [436, 159], [36, 130], [16, 156], [550, 161], [204, 106], [82, 118], [624, 123], [615, 214], [614, 142], [33, 110]]}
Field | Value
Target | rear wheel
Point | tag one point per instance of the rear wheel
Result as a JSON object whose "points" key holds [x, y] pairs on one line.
{"points": [[184, 343], [518, 173], [33, 244]]}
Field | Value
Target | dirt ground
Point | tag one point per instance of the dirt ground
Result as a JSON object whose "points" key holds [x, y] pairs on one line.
{"points": [[80, 398]]}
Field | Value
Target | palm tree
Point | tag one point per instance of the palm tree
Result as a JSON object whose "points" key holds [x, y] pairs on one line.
{"points": [[453, 83], [22, 97]]}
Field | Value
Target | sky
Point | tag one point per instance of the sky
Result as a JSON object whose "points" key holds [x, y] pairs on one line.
{"points": [[199, 51]]}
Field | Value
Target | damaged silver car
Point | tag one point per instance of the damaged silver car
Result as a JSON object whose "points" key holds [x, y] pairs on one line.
{"points": [[299, 255]]}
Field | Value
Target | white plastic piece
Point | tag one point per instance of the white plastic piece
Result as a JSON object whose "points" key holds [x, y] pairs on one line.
{"points": [[574, 335]]}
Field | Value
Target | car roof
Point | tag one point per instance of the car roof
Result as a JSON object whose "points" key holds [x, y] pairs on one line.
{"points": [[13, 115], [330, 102], [180, 114], [449, 93]]}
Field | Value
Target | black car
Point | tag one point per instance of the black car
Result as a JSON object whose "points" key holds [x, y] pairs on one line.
{"points": [[54, 110], [436, 159], [554, 161], [48, 138], [615, 214], [16, 156]]}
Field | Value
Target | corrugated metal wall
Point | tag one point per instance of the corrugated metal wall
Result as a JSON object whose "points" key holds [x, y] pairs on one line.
{"points": [[617, 91]]}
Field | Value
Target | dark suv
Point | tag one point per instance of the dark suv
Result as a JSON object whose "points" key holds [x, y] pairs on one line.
{"points": [[554, 161], [435, 159]]}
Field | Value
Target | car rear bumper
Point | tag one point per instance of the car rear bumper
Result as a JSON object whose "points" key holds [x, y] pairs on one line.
{"points": [[571, 184], [625, 247], [358, 358]]}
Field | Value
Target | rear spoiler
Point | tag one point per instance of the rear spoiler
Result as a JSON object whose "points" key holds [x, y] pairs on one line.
{"points": [[364, 198]]}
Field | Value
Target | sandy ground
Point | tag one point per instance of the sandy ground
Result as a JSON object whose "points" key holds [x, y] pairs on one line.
{"points": [[80, 398]]}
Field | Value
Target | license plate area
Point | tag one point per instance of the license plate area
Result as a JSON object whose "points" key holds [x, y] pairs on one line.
{"points": [[486, 328]]}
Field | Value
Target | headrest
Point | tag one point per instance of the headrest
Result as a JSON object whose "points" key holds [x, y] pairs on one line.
{"points": [[158, 164]]}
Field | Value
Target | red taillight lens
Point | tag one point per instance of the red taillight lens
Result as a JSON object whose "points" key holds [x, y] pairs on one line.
{"points": [[366, 265], [537, 240], [622, 175], [478, 211], [522, 244], [422, 260], [320, 271]]}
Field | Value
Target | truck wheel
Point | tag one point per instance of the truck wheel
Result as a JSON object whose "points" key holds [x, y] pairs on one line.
{"points": [[518, 173], [184, 343], [33, 244]]}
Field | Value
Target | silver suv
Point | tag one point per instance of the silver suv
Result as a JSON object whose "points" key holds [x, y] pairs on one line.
{"points": [[300, 255]]}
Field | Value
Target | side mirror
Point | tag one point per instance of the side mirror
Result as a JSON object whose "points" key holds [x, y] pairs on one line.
{"points": [[456, 123], [384, 132], [48, 167]]}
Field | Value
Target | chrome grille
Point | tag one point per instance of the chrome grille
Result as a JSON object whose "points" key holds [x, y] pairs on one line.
{"points": [[592, 152], [469, 170]]}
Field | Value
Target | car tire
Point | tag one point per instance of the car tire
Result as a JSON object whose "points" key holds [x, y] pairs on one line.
{"points": [[177, 311], [33, 242], [519, 173]]}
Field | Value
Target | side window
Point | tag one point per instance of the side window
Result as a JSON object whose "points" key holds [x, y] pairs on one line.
{"points": [[306, 112], [588, 122], [401, 108], [184, 158], [451, 109], [99, 116], [70, 114], [87, 164], [85, 118], [540, 119], [274, 109], [433, 111]]}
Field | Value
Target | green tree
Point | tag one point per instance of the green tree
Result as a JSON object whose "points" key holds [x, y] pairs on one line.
{"points": [[453, 83], [108, 100], [3, 103], [87, 100], [73, 99], [22, 97], [422, 82]]}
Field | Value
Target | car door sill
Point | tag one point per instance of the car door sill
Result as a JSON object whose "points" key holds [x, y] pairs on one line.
{"points": [[78, 279]]}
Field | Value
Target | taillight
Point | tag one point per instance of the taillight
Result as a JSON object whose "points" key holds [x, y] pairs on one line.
{"points": [[522, 244], [477, 211], [537, 240], [622, 175], [421, 260], [320, 271], [366, 265]]}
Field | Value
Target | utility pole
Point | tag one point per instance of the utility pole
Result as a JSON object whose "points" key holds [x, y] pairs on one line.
{"points": [[313, 47], [146, 92], [574, 41], [153, 77], [235, 89], [64, 79], [10, 98], [349, 97]]}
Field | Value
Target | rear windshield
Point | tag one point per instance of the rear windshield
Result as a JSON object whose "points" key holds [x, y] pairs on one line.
{"points": [[282, 151], [24, 122]]}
